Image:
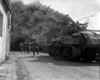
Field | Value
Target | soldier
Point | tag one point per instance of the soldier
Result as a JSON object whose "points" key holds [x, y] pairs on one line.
{"points": [[21, 46], [35, 47], [56, 43], [25, 46], [28, 46]]}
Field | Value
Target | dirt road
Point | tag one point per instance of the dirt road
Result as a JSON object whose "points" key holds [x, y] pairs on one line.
{"points": [[43, 67]]}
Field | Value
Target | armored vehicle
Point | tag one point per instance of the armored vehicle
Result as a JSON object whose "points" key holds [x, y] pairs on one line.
{"points": [[83, 44]]}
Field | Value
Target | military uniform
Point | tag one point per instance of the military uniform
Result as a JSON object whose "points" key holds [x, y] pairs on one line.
{"points": [[29, 46], [35, 47], [21, 46], [25, 46], [56, 48]]}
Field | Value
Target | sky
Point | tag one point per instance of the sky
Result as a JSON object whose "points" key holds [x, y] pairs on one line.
{"points": [[77, 9]]}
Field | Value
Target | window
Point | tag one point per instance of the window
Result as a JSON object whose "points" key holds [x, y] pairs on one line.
{"points": [[1, 23]]}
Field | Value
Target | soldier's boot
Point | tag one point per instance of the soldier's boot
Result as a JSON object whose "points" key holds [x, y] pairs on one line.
{"points": [[33, 54], [37, 52]]}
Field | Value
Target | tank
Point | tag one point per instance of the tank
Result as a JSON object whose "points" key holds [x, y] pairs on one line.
{"points": [[83, 44]]}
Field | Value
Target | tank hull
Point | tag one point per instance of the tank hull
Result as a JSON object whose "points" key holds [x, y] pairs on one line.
{"points": [[74, 52]]}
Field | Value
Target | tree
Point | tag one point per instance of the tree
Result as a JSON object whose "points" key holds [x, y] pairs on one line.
{"points": [[39, 21]]}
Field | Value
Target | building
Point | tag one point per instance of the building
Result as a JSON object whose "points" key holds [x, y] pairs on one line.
{"points": [[5, 22]]}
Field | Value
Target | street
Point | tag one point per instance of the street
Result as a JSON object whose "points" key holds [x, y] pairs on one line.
{"points": [[43, 67]]}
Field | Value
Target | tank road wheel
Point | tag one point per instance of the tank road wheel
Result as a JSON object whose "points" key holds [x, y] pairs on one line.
{"points": [[71, 53], [67, 52], [98, 56]]}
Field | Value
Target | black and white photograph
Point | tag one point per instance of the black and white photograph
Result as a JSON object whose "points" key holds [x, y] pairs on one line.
{"points": [[49, 39]]}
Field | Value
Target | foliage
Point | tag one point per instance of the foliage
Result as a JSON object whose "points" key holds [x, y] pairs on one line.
{"points": [[38, 21]]}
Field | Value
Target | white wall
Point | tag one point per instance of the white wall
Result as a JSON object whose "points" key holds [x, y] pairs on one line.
{"points": [[5, 37]]}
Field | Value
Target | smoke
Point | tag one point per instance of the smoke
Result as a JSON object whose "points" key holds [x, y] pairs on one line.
{"points": [[77, 9], [73, 7]]}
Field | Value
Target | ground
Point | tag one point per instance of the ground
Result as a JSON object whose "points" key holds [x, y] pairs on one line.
{"points": [[43, 67]]}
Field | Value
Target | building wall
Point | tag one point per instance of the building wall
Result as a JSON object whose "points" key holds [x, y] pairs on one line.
{"points": [[4, 39]]}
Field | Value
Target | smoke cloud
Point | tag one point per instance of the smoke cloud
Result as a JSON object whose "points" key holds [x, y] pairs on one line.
{"points": [[77, 9]]}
